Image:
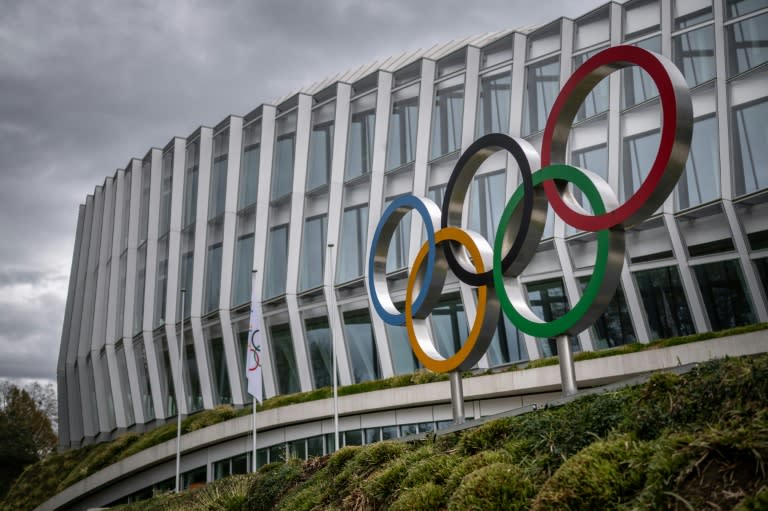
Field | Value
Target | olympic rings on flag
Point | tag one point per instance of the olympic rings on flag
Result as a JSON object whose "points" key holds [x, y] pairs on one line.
{"points": [[494, 271]]}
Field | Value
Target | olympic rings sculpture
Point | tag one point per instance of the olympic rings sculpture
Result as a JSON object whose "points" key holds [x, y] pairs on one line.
{"points": [[544, 180]]}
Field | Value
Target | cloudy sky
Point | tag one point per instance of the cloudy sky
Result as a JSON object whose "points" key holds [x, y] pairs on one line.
{"points": [[86, 85]]}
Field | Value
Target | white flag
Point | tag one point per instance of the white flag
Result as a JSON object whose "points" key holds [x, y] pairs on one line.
{"points": [[253, 359]]}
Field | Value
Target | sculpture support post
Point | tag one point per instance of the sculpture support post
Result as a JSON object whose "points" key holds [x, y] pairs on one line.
{"points": [[457, 397], [567, 369]]}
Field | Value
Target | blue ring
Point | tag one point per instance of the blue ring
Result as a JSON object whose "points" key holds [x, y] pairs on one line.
{"points": [[419, 205]]}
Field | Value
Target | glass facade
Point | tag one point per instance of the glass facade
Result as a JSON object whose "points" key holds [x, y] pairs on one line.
{"points": [[449, 324], [218, 191], [447, 115], [319, 347], [403, 122], [284, 360], [248, 187], [320, 154], [404, 361], [277, 262], [191, 177], [637, 84], [548, 301], [750, 147], [508, 344], [361, 346], [736, 8], [747, 43], [700, 182], [193, 393], [219, 371], [167, 380], [638, 153], [351, 254], [597, 101], [542, 84], [725, 297], [397, 256], [213, 277], [142, 369], [666, 308], [688, 13], [360, 138], [125, 385], [282, 173], [313, 249], [614, 327], [241, 283], [494, 104], [694, 54], [487, 201]]}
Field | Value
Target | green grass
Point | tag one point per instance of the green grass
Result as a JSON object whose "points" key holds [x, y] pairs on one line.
{"points": [[52, 475]]}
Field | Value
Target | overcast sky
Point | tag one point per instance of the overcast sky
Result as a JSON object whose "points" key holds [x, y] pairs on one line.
{"points": [[86, 85]]}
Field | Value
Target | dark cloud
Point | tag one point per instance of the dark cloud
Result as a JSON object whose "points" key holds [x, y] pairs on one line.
{"points": [[87, 85]]}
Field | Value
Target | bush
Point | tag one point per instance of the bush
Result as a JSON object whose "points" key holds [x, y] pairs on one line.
{"points": [[497, 486], [473, 463], [599, 477], [426, 497], [271, 482], [102, 455], [207, 418]]}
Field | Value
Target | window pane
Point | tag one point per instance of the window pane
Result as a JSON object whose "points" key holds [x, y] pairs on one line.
{"points": [[315, 446], [493, 107], [449, 324], [447, 117], [401, 142], [125, 386], [249, 171], [193, 393], [762, 270], [614, 327], [161, 283], [138, 303], [320, 351], [166, 376], [320, 152], [284, 359], [360, 144], [542, 84], [666, 308], [747, 44], [641, 18], [218, 192], [594, 159], [372, 435], [352, 247], [701, 180], [121, 284], [597, 100], [688, 13], [397, 255], [166, 188], [241, 286], [242, 339], [738, 8], [508, 344], [637, 84], [313, 248], [750, 151], [354, 437], [277, 261], [638, 154], [297, 449], [548, 301], [725, 298], [220, 372], [187, 260], [107, 382], [142, 370], [404, 360], [282, 175], [361, 346], [487, 201], [213, 277], [190, 183], [694, 53], [144, 202]]}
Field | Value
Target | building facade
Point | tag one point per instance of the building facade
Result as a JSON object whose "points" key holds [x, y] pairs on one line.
{"points": [[271, 190]]}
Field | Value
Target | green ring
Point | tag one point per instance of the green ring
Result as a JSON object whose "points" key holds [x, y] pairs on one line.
{"points": [[562, 324]]}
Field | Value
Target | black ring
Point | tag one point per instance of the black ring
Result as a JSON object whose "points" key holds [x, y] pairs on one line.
{"points": [[462, 176]]}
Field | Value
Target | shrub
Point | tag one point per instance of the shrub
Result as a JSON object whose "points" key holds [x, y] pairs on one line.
{"points": [[101, 455], [497, 486], [426, 497], [384, 484], [490, 435], [271, 482], [473, 463], [207, 418]]}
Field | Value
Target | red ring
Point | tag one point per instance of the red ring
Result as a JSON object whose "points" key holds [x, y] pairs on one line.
{"points": [[568, 102]]}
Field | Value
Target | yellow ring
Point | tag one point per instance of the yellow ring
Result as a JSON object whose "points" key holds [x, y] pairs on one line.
{"points": [[453, 362]]}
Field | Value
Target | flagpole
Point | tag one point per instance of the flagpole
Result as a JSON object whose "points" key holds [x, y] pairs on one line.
{"points": [[253, 398], [331, 261], [180, 386]]}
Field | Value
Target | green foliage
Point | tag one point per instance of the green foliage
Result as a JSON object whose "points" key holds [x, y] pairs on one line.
{"points": [[598, 477], [426, 497], [207, 418], [271, 482], [473, 463], [100, 457], [496, 486]]}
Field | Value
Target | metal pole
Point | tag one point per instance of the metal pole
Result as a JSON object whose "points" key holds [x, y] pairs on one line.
{"points": [[567, 369], [457, 397], [180, 386], [253, 398], [335, 371]]}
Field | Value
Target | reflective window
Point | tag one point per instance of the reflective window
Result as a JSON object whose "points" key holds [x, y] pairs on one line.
{"points": [[548, 302], [219, 371], [354, 437], [641, 18], [508, 344], [447, 115], [284, 360], [351, 255], [762, 270], [747, 43], [542, 84], [404, 360], [282, 175], [190, 183], [688, 13], [363, 357], [397, 255], [187, 262], [107, 383], [315, 446], [596, 101], [213, 277], [638, 153], [487, 201], [750, 147], [666, 308], [91, 393], [694, 53], [313, 248], [493, 104], [360, 142], [736, 8], [249, 167], [242, 339], [401, 142], [161, 283], [166, 377], [637, 85], [146, 167], [320, 153], [318, 334], [241, 285], [297, 449], [594, 159], [449, 324], [218, 192], [138, 302], [722, 289], [701, 180], [166, 189], [614, 327], [277, 262], [142, 370], [125, 385], [121, 291], [193, 393]]}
